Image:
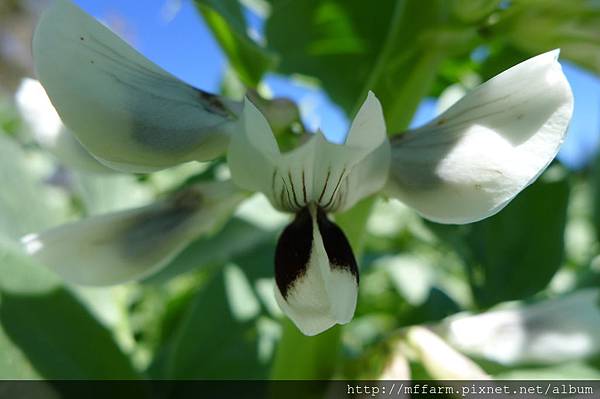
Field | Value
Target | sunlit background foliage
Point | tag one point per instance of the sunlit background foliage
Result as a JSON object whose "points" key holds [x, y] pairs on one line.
{"points": [[532, 271]]}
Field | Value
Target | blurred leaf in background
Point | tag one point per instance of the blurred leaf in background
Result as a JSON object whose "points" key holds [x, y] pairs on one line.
{"points": [[573, 26], [351, 47], [515, 253], [47, 332], [226, 20]]}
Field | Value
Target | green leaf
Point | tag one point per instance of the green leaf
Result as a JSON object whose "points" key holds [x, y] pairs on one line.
{"points": [[437, 306], [470, 11], [515, 253], [14, 364], [501, 58], [302, 357], [225, 19], [225, 333], [339, 43], [542, 25], [329, 40], [46, 332], [518, 251]]}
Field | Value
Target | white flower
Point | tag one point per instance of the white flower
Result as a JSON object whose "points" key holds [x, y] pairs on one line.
{"points": [[550, 332], [465, 165], [468, 163], [315, 270]]}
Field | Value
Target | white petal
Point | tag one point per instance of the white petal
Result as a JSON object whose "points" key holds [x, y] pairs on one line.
{"points": [[331, 175], [253, 151], [368, 132], [397, 366], [368, 127], [128, 245], [48, 130], [316, 273], [123, 108], [550, 332], [468, 163], [316, 172], [441, 360]]}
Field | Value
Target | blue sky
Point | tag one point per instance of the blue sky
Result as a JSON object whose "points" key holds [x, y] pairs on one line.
{"points": [[172, 34]]}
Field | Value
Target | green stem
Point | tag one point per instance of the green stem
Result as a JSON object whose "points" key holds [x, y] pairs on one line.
{"points": [[420, 77], [306, 358]]}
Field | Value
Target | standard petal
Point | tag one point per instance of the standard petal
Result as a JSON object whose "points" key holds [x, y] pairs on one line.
{"points": [[124, 109], [368, 127], [253, 152], [330, 175], [316, 273], [316, 172], [123, 246], [361, 164], [47, 129], [469, 162], [368, 132]]}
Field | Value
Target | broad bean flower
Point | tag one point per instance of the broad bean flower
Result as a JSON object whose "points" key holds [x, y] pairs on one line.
{"points": [[131, 115]]}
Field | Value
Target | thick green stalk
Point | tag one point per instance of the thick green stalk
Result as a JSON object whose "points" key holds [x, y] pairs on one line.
{"points": [[306, 358]]}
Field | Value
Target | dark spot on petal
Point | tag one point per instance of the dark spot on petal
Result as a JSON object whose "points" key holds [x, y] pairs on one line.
{"points": [[81, 38], [293, 251], [189, 199], [213, 104], [152, 230], [441, 122], [336, 245]]}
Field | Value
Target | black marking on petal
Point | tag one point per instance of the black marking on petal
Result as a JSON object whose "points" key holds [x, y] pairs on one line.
{"points": [[337, 186], [294, 190], [150, 231], [213, 104], [304, 188], [190, 199], [287, 191], [149, 90], [293, 251], [339, 200], [325, 185], [336, 245], [281, 203], [273, 180]]}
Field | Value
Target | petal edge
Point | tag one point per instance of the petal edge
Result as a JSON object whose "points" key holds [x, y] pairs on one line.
{"points": [[471, 161]]}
